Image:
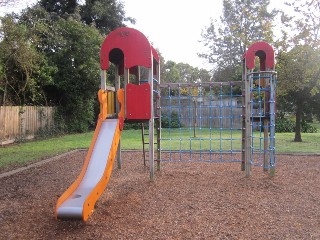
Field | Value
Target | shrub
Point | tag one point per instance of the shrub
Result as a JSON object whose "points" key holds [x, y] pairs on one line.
{"points": [[170, 120], [284, 125], [307, 128], [134, 125]]}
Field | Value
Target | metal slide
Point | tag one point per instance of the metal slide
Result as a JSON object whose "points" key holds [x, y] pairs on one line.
{"points": [[78, 200]]}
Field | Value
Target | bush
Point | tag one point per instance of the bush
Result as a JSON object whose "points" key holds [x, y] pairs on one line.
{"points": [[307, 128], [284, 125], [170, 120], [134, 125]]}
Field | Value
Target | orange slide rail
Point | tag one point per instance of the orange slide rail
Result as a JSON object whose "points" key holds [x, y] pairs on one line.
{"points": [[96, 192]]}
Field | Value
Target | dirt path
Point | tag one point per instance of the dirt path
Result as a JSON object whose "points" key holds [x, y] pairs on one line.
{"points": [[187, 201]]}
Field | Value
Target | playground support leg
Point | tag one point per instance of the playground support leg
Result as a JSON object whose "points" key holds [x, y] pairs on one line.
{"points": [[265, 145], [117, 87], [158, 143], [158, 121], [119, 162], [243, 142], [272, 171], [151, 127], [272, 125], [248, 126]]}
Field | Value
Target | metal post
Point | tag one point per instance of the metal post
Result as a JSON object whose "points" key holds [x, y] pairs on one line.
{"points": [[117, 87], [151, 126], [265, 145], [248, 126], [243, 141], [103, 84], [272, 124], [158, 119]]}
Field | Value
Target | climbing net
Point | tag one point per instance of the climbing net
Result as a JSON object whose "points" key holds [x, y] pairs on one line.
{"points": [[262, 118], [206, 121], [201, 121]]}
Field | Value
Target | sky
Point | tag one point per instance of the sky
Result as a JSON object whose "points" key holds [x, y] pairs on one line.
{"points": [[172, 26]]}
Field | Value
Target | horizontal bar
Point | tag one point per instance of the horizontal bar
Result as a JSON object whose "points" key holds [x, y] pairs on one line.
{"points": [[203, 84]]}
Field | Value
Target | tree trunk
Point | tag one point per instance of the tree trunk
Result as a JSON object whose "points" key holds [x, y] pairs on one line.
{"points": [[5, 93], [299, 112]]}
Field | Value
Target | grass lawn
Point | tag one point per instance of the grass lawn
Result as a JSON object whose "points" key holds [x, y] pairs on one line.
{"points": [[39, 149], [310, 143], [131, 139]]}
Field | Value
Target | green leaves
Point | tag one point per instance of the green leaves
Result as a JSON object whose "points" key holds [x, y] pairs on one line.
{"points": [[50, 55], [242, 23]]}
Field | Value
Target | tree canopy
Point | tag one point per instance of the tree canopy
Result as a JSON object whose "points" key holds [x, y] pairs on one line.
{"points": [[299, 70], [50, 56], [245, 22], [242, 23]]}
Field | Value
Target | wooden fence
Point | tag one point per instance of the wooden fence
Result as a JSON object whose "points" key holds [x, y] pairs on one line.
{"points": [[24, 122]]}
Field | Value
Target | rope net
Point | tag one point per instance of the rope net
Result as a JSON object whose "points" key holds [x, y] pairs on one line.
{"points": [[262, 104], [205, 121], [201, 122]]}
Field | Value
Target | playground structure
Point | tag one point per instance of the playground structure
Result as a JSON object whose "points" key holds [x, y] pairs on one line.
{"points": [[229, 106], [128, 50], [224, 121]]}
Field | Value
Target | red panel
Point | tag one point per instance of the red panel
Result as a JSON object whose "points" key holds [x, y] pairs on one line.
{"points": [[135, 46], [138, 105], [266, 59]]}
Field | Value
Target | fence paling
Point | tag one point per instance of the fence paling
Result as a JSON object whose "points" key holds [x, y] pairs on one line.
{"points": [[24, 122]]}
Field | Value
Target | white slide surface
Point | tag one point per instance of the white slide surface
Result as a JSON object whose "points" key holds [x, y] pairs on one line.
{"points": [[73, 206]]}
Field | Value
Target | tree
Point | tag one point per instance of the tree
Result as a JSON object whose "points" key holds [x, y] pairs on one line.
{"points": [[299, 71], [106, 15], [77, 79], [22, 66], [60, 7], [298, 79], [242, 23], [71, 48]]}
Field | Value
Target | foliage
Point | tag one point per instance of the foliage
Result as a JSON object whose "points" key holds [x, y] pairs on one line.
{"points": [[170, 120], [284, 125], [24, 69], [183, 73], [60, 7], [77, 73], [242, 23], [308, 128], [105, 15], [299, 82], [49, 56], [134, 125]]}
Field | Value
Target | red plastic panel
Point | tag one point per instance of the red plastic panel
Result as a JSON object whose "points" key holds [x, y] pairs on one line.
{"points": [[264, 51], [136, 48], [138, 105]]}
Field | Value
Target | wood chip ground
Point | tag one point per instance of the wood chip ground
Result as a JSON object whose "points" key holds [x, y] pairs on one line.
{"points": [[186, 201]]}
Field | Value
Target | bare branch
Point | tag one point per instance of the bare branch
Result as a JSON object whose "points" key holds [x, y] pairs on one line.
{"points": [[8, 3]]}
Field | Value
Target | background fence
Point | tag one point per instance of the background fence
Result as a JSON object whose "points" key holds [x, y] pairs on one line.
{"points": [[24, 122], [205, 113]]}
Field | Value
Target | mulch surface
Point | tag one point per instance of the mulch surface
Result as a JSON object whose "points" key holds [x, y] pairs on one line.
{"points": [[186, 201]]}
